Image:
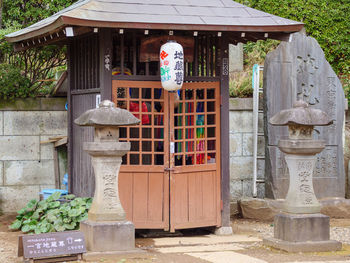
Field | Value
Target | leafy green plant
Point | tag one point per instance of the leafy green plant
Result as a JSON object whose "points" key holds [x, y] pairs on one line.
{"points": [[327, 21], [27, 12], [51, 216], [12, 83], [254, 53], [37, 65], [241, 84]]}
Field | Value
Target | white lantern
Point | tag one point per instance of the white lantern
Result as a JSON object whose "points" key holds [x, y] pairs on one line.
{"points": [[171, 66]]}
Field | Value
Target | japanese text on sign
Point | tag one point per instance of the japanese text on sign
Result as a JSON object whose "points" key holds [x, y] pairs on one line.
{"points": [[53, 244]]}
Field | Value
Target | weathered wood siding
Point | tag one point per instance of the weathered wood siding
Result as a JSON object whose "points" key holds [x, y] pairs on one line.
{"points": [[84, 82]]}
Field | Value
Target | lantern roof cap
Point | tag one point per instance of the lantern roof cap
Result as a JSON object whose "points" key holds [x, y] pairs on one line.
{"points": [[301, 114], [107, 115]]}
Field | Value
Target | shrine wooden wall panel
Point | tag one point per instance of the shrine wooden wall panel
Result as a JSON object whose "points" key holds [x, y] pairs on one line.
{"points": [[82, 177], [83, 74]]}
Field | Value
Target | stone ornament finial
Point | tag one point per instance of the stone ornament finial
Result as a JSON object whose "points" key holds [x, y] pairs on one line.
{"points": [[106, 104]]}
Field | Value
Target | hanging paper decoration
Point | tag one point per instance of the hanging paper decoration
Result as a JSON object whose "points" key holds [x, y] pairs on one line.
{"points": [[171, 65]]}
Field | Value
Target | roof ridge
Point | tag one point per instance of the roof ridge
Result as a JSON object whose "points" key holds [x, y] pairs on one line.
{"points": [[220, 14]]}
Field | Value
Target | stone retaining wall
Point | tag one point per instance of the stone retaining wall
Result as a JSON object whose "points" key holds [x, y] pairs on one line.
{"points": [[241, 151], [26, 165]]}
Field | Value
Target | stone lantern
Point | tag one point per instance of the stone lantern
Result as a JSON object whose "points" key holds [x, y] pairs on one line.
{"points": [[301, 227], [106, 228]]}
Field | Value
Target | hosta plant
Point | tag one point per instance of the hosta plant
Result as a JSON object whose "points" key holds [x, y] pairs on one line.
{"points": [[51, 216]]}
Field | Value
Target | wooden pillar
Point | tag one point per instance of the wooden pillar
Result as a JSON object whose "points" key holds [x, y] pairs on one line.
{"points": [[71, 82], [106, 58], [224, 131]]}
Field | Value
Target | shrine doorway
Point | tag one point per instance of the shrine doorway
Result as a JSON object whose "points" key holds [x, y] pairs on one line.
{"points": [[170, 179]]}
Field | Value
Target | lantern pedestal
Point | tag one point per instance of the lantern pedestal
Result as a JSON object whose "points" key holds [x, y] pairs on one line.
{"points": [[300, 155], [106, 228], [106, 158]]}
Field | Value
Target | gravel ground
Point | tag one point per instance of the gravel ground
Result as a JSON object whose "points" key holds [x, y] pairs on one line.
{"points": [[341, 234], [340, 228]]}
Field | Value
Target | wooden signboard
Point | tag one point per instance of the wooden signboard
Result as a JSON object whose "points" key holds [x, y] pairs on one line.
{"points": [[149, 49], [52, 247]]}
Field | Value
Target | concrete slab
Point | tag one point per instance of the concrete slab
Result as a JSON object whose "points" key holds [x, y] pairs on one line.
{"points": [[29, 173], [27, 104], [22, 122], [241, 121], [235, 144], [199, 248], [242, 167], [236, 57], [109, 255], [307, 246], [1, 173], [205, 240], [54, 122], [53, 104], [35, 122], [14, 198], [46, 149], [19, 148], [226, 257], [247, 145]]}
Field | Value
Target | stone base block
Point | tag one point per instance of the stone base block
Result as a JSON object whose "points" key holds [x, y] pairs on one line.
{"points": [[301, 227], [302, 233], [108, 236], [309, 246], [223, 231], [110, 255]]}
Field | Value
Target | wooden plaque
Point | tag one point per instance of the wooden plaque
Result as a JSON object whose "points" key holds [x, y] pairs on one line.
{"points": [[51, 244], [149, 49]]}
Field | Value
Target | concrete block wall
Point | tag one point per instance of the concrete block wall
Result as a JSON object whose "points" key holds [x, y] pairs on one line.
{"points": [[241, 151], [26, 165]]}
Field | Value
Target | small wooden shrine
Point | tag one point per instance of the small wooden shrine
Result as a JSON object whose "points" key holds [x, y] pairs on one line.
{"points": [[177, 173]]}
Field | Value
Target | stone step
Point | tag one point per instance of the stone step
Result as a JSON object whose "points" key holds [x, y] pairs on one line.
{"points": [[226, 257], [200, 248], [202, 240]]}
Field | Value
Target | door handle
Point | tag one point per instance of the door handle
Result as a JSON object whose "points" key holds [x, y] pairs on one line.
{"points": [[169, 169]]}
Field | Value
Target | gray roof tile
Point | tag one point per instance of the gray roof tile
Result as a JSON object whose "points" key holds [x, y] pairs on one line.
{"points": [[194, 14]]}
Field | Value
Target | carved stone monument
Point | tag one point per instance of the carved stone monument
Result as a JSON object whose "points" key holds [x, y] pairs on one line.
{"points": [[106, 228], [298, 70], [301, 228]]}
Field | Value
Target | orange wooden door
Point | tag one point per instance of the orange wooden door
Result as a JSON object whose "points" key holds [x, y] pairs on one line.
{"points": [[195, 156], [143, 178], [171, 177]]}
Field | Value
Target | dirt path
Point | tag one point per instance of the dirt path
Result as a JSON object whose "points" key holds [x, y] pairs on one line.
{"points": [[246, 228]]}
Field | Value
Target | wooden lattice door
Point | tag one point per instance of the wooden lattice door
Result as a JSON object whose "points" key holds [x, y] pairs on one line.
{"points": [[195, 156], [171, 177]]}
